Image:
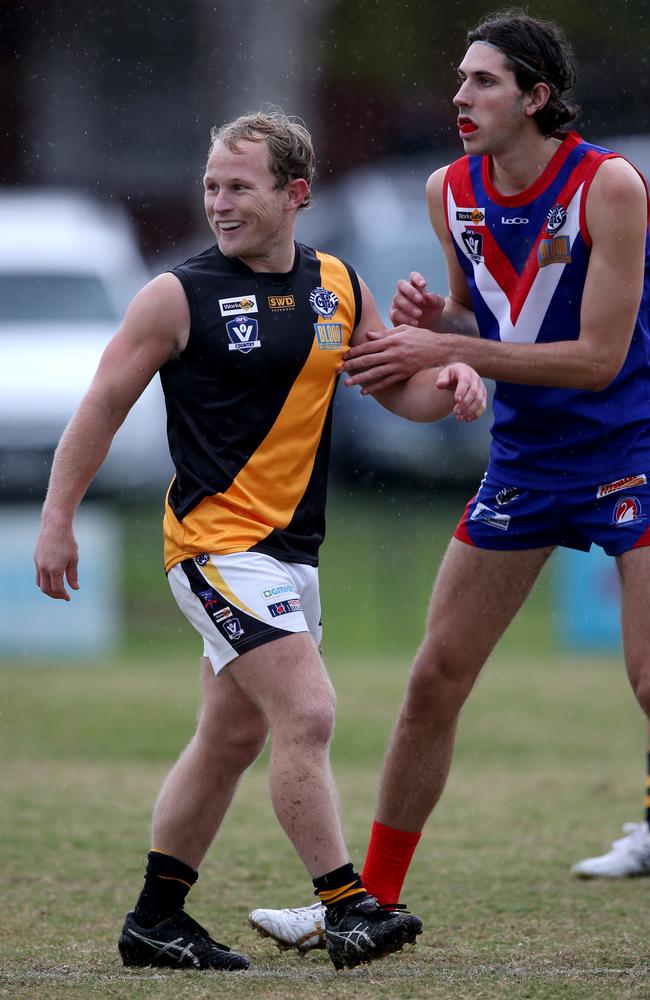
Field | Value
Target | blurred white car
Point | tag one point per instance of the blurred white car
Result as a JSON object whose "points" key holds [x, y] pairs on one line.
{"points": [[68, 267], [376, 219]]}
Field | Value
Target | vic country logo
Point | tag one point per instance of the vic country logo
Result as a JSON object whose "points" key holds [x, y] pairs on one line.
{"points": [[238, 304], [473, 244], [233, 629], [242, 331], [329, 336], [323, 302], [489, 516], [627, 510]]}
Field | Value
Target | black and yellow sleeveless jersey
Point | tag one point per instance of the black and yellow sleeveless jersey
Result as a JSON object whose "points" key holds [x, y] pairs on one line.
{"points": [[249, 405]]}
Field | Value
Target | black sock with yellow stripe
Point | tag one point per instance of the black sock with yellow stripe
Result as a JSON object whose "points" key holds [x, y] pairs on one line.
{"points": [[167, 882], [338, 888]]}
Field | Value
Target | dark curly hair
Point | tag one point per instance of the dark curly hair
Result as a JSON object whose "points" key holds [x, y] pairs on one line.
{"points": [[536, 51]]}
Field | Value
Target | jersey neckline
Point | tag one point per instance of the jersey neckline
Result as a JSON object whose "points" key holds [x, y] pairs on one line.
{"points": [[272, 276], [569, 142]]}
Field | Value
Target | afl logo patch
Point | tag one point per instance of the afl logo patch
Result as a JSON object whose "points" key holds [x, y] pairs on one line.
{"points": [[323, 302], [627, 510]]}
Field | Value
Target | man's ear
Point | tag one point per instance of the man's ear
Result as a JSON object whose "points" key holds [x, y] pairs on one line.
{"points": [[297, 190], [537, 97]]}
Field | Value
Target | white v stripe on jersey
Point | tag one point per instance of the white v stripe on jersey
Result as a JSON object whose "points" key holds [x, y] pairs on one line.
{"points": [[526, 329]]}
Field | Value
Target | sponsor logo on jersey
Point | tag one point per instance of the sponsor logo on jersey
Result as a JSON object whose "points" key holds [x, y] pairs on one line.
{"points": [[329, 335], [284, 607], [284, 588], [621, 484], [473, 244], [555, 219], [222, 614], [281, 303], [243, 334], [238, 304], [517, 220], [491, 517], [626, 511], [507, 495], [475, 216], [323, 302], [554, 251], [202, 559], [233, 628]]}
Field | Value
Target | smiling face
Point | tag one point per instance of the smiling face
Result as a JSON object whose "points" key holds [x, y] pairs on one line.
{"points": [[251, 218], [492, 111]]}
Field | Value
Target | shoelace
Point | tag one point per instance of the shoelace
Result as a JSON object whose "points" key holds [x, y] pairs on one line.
{"points": [[195, 925]]}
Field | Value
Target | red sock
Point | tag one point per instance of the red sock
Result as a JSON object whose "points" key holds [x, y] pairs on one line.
{"points": [[387, 861]]}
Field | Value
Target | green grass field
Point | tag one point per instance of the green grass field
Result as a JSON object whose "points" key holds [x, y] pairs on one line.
{"points": [[549, 763]]}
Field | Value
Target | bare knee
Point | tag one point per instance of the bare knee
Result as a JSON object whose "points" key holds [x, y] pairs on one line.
{"points": [[309, 723], [437, 688], [237, 742]]}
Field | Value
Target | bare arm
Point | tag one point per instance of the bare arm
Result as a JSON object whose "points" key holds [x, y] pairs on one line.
{"points": [[427, 395], [616, 213], [155, 328]]}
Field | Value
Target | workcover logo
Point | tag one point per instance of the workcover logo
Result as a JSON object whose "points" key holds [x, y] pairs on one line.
{"points": [[238, 304], [243, 334], [281, 303], [475, 216], [489, 516], [329, 336]]}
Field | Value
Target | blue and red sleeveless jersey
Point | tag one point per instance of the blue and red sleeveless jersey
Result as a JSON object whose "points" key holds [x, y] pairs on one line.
{"points": [[525, 258]]}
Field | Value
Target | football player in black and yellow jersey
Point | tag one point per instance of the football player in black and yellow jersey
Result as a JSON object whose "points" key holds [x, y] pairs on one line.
{"points": [[248, 338]]}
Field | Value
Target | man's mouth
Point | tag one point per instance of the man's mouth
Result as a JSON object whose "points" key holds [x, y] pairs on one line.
{"points": [[227, 227], [466, 125]]}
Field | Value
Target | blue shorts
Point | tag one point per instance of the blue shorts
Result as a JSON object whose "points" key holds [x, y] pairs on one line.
{"points": [[614, 515]]}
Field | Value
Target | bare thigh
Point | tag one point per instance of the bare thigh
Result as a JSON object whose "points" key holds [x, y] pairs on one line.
{"points": [[476, 595]]}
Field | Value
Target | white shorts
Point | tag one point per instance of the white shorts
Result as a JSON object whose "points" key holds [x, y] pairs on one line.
{"points": [[240, 601]]}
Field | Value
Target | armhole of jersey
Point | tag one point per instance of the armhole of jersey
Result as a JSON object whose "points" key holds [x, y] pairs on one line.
{"points": [[584, 231], [188, 288], [445, 196], [356, 291]]}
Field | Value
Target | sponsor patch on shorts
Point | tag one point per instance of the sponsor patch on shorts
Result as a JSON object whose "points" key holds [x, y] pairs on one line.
{"points": [[489, 516], [621, 484], [284, 588], [284, 607], [626, 511]]}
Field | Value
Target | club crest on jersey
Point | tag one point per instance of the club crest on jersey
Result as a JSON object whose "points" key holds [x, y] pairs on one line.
{"points": [[626, 511], [323, 302], [492, 517], [202, 560], [475, 216], [473, 244], [556, 250], [243, 334], [238, 304], [555, 219], [329, 336]]}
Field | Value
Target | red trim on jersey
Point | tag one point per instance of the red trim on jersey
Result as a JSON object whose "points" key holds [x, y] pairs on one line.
{"points": [[569, 141]]}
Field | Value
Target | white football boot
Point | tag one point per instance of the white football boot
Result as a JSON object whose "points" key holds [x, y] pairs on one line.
{"points": [[630, 855], [302, 928]]}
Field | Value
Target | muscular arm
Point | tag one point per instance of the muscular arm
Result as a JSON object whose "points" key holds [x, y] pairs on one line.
{"points": [[616, 214], [155, 328], [427, 395]]}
